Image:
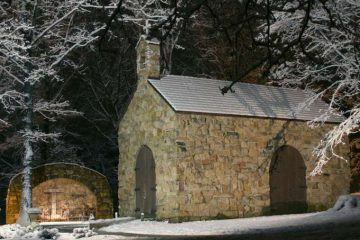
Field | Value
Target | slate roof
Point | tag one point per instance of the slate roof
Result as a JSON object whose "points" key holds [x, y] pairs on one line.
{"points": [[200, 95]]}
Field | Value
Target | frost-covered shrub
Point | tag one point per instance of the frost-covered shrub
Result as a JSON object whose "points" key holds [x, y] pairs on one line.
{"points": [[11, 231], [48, 233], [83, 232], [15, 231]]}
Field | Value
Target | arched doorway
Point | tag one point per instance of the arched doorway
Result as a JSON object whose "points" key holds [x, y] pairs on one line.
{"points": [[145, 183], [287, 181]]}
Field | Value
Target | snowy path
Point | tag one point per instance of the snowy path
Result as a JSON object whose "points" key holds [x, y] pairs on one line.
{"points": [[311, 222], [323, 225], [68, 236], [342, 222], [203, 228]]}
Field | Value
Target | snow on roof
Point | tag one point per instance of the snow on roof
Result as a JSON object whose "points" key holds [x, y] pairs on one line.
{"points": [[201, 95]]}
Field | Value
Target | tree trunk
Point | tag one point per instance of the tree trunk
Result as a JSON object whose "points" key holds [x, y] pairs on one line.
{"points": [[26, 194]]}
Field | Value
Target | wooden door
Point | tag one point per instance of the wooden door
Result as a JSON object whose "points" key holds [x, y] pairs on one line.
{"points": [[287, 182], [145, 183]]}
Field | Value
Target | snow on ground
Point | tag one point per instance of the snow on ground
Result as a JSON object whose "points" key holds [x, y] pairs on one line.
{"points": [[233, 226], [203, 228], [265, 224], [345, 215], [68, 236], [16, 232], [12, 231]]}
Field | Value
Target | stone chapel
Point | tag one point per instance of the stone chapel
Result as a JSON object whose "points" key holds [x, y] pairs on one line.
{"points": [[187, 152]]}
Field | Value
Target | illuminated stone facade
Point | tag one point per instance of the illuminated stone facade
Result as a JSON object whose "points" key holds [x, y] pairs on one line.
{"points": [[211, 166]]}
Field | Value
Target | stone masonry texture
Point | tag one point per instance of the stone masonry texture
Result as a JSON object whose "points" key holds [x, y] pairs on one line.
{"points": [[211, 166], [92, 180]]}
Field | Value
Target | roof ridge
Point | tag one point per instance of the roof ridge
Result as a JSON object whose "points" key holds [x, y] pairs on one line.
{"points": [[230, 81]]}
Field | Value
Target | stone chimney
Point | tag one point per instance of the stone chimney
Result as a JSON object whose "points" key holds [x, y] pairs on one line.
{"points": [[148, 58]]}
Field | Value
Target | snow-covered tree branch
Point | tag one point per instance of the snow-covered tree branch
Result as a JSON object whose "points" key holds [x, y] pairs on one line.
{"points": [[36, 40], [326, 62], [314, 45]]}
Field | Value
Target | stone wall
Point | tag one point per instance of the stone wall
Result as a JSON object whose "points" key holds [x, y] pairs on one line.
{"points": [[94, 181], [223, 169], [210, 166], [148, 121]]}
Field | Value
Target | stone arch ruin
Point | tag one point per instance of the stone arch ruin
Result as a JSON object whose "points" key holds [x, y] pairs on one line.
{"points": [[93, 188]]}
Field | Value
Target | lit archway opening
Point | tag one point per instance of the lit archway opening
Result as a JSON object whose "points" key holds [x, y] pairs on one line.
{"points": [[63, 199], [95, 182]]}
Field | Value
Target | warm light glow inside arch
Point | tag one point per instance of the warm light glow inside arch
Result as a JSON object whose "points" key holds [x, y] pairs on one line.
{"points": [[63, 199]]}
